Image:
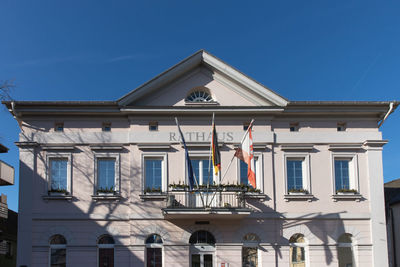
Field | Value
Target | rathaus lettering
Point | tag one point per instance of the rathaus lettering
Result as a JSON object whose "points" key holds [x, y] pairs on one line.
{"points": [[201, 136]]}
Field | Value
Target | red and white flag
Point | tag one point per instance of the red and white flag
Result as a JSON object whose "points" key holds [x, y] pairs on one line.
{"points": [[246, 153]]}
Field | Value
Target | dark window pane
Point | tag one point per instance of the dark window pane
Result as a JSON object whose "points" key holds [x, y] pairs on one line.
{"points": [[58, 257], [154, 257], [106, 257], [208, 260], [106, 239], [195, 260]]}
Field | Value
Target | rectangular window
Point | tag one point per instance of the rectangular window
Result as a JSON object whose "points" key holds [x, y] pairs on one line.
{"points": [[106, 127], [106, 175], [153, 174], [294, 127], [59, 174], [297, 173], [341, 127], [294, 174], [345, 173], [59, 127], [153, 126], [342, 174]]}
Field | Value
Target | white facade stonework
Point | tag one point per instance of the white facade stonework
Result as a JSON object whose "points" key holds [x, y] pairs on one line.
{"points": [[131, 215]]}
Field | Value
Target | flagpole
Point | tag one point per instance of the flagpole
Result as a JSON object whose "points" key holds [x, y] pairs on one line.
{"points": [[209, 158], [244, 136], [182, 142]]}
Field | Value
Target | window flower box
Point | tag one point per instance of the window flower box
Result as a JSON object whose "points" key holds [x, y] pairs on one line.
{"points": [[58, 192], [298, 191], [106, 191], [152, 191], [178, 187], [346, 192]]}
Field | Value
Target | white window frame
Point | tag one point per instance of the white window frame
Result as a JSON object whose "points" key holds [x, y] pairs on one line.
{"points": [[353, 169], [55, 155], [154, 245], [306, 171], [117, 177], [258, 162], [201, 156], [164, 166]]}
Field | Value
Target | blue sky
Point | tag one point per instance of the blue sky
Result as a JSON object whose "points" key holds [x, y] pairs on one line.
{"points": [[100, 50]]}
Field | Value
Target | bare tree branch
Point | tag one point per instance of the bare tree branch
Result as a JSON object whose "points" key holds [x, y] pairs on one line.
{"points": [[5, 90]]}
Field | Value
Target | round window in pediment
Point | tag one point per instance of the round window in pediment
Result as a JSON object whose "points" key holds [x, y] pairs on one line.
{"points": [[199, 96]]}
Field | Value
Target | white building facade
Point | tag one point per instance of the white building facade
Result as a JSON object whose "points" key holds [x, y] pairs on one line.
{"points": [[103, 183]]}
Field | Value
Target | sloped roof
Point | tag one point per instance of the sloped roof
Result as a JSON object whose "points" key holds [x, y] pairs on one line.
{"points": [[202, 58]]}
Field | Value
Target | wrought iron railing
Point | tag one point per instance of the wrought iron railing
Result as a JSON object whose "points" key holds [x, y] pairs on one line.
{"points": [[205, 199]]}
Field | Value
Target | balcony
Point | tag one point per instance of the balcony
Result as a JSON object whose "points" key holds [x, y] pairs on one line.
{"points": [[6, 174], [205, 205]]}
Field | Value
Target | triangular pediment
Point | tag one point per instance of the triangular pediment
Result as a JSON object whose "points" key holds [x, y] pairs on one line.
{"points": [[205, 73]]}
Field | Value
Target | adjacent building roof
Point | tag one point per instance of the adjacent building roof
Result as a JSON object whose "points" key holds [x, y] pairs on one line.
{"points": [[3, 149]]}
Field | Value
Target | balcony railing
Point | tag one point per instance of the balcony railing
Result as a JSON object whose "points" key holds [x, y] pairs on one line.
{"points": [[205, 204], [205, 200], [6, 174]]}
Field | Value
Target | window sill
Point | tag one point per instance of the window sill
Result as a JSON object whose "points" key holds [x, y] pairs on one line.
{"points": [[347, 196], [253, 195], [153, 196], [106, 197], [299, 196], [57, 197]]}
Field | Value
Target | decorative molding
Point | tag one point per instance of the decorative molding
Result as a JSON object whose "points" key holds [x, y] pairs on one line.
{"points": [[155, 146], [299, 197], [337, 147], [63, 197], [106, 197], [56, 230], [297, 147], [106, 146], [109, 230], [189, 231], [58, 147], [160, 197], [26, 144], [356, 197], [152, 229]]}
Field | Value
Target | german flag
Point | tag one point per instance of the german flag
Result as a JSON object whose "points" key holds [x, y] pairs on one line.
{"points": [[216, 155]]}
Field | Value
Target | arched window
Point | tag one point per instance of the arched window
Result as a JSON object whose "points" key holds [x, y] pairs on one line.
{"points": [[202, 237], [345, 252], [250, 250], [58, 251], [105, 245], [154, 246], [199, 95], [297, 252]]}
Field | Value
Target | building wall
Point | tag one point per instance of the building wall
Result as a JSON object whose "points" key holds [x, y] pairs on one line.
{"points": [[130, 219]]}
